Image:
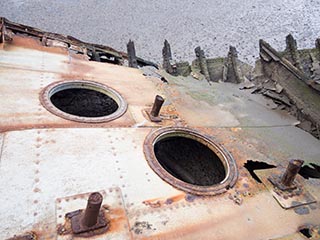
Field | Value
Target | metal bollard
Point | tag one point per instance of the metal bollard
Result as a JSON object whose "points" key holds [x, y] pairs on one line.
{"points": [[90, 219], [92, 210], [158, 101], [291, 172]]}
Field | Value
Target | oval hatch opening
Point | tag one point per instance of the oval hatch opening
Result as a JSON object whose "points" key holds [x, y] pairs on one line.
{"points": [[84, 102], [189, 160]]}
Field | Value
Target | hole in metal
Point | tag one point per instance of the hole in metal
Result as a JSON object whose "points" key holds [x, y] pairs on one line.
{"points": [[189, 161], [83, 101], [310, 172], [251, 165], [306, 232]]}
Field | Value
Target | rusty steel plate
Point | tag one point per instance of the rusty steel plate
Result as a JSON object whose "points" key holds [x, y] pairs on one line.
{"points": [[82, 84], [225, 157], [112, 207], [290, 198]]}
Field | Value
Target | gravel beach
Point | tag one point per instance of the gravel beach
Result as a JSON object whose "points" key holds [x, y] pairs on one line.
{"points": [[213, 25]]}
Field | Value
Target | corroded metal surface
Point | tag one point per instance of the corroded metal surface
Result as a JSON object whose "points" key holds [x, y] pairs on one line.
{"points": [[54, 164], [223, 154], [289, 198], [28, 71], [112, 210]]}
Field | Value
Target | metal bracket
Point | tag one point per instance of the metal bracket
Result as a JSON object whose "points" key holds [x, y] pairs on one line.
{"points": [[294, 196]]}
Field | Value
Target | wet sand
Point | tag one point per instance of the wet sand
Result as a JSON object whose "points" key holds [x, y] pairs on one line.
{"points": [[213, 25]]}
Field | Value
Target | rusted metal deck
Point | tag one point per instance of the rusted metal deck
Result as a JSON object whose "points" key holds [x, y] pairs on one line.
{"points": [[50, 164]]}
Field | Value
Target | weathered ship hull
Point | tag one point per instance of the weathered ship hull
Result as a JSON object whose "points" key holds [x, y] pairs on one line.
{"points": [[49, 163]]}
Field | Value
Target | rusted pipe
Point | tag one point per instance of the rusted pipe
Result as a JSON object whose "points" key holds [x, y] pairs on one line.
{"points": [[291, 172], [158, 101], [92, 211]]}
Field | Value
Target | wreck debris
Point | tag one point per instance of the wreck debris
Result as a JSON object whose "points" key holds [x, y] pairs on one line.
{"points": [[132, 58], [95, 56], [96, 52], [291, 82], [91, 219], [281, 99], [2, 28], [173, 68], [182, 68], [317, 44], [232, 66], [202, 62], [154, 113], [5, 35], [292, 51], [167, 57], [212, 69]]}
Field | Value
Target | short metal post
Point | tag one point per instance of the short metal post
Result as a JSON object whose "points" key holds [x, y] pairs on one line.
{"points": [[291, 172], [158, 101], [92, 211]]}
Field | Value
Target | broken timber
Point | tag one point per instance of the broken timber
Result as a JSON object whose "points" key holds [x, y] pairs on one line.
{"points": [[202, 62], [167, 57], [232, 66], [294, 82], [8, 29], [132, 58]]}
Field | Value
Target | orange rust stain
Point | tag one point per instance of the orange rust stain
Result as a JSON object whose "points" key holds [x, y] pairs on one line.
{"points": [[236, 129], [34, 43], [124, 121], [118, 219], [159, 202], [178, 198], [153, 203]]}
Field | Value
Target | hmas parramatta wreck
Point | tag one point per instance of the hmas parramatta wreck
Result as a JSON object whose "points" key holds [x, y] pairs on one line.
{"points": [[101, 144]]}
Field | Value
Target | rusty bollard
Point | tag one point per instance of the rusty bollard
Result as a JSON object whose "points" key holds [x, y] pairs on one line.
{"points": [[286, 181], [291, 172], [154, 114], [158, 101], [92, 218], [91, 213]]}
